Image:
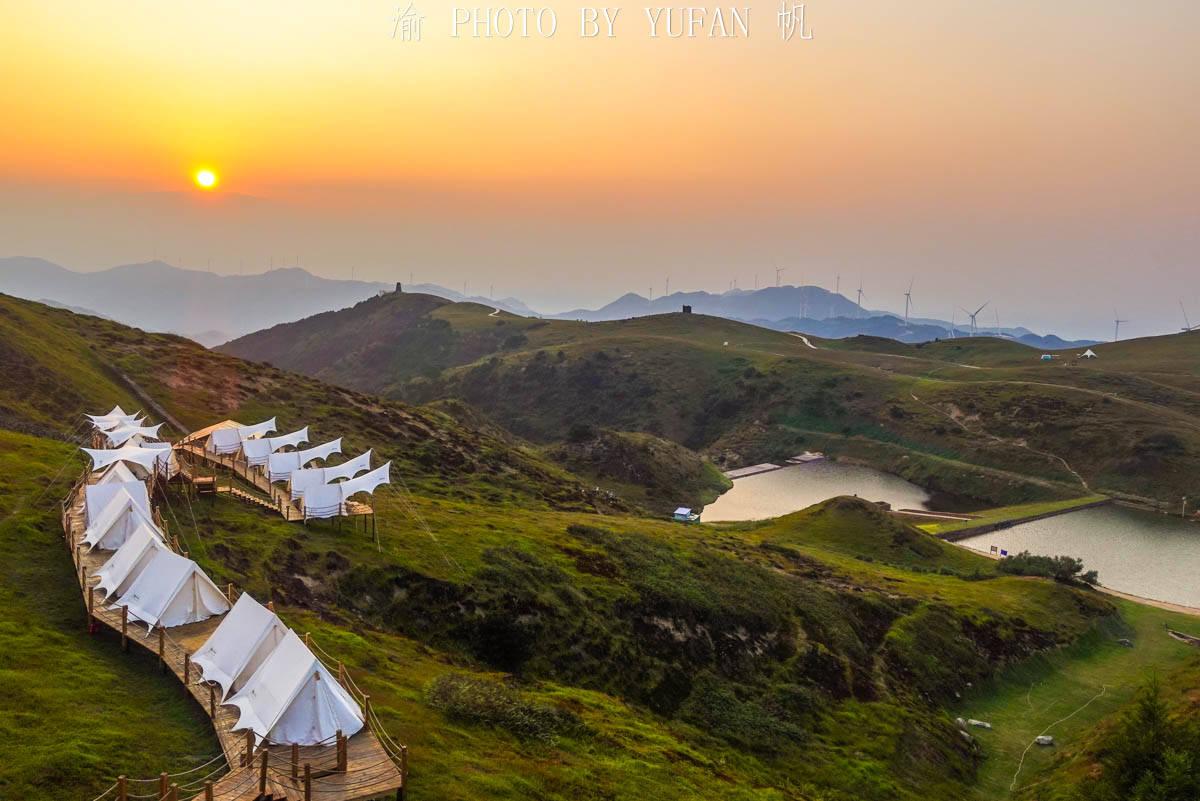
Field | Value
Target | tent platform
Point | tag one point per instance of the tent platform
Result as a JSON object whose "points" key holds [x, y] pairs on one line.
{"points": [[372, 769]]}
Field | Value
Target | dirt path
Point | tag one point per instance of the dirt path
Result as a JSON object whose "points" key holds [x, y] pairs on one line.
{"points": [[804, 339]]}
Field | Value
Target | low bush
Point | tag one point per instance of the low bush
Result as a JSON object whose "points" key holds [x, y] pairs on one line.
{"points": [[483, 701], [1064, 569]]}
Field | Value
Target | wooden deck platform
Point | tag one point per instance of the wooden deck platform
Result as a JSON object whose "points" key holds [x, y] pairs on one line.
{"points": [[375, 765]]}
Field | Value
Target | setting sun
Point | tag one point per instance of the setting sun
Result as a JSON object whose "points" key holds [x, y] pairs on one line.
{"points": [[206, 179]]}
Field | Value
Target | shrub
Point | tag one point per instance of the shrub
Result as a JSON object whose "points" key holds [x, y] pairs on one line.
{"points": [[474, 699], [1064, 569]]}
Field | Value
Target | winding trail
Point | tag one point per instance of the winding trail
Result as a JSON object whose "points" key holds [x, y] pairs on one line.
{"points": [[497, 311], [1013, 786], [804, 339]]}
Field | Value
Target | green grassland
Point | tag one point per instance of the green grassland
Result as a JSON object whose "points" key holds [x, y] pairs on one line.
{"points": [[820, 656], [1006, 513]]}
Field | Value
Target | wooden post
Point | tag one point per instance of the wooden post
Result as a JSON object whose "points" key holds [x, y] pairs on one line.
{"points": [[295, 761], [187, 667], [403, 772], [162, 659], [208, 791], [122, 789], [262, 772], [307, 781], [341, 673], [341, 744], [174, 794], [229, 592], [176, 540], [306, 639], [249, 758], [91, 605], [367, 709], [124, 628], [162, 785], [270, 606], [212, 702]]}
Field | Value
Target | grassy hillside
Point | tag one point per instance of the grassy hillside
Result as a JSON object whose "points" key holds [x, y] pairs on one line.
{"points": [[1024, 429], [528, 639], [656, 473]]}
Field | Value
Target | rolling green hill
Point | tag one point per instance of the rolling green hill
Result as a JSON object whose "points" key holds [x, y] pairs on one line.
{"points": [[527, 639], [982, 418]]}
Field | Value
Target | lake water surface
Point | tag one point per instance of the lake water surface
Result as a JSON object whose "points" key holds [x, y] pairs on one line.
{"points": [[1141, 553], [790, 489]]}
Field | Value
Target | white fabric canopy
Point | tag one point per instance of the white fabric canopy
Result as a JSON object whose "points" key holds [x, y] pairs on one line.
{"points": [[97, 497], [124, 566], [280, 466], [116, 473], [116, 411], [116, 417], [229, 440], [110, 424], [114, 525], [243, 641], [145, 456], [170, 591], [257, 451], [122, 434], [292, 698], [366, 482], [350, 468]]}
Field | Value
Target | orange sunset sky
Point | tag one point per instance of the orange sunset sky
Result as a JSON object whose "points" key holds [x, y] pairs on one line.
{"points": [[1043, 156]]}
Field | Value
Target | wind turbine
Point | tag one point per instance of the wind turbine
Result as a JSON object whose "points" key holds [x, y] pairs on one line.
{"points": [[778, 272], [953, 324], [975, 328], [1187, 324], [908, 300], [1117, 324], [860, 297]]}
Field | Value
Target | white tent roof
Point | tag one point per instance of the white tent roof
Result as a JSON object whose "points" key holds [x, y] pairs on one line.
{"points": [[229, 440], [349, 468], [292, 698], [116, 522], [367, 482], [170, 591], [243, 641], [143, 456], [1088, 354], [280, 466], [257, 451], [110, 424], [116, 417], [97, 496], [122, 434], [124, 566], [116, 473]]}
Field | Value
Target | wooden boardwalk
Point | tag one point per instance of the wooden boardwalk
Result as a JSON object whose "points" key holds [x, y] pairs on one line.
{"points": [[368, 765]]}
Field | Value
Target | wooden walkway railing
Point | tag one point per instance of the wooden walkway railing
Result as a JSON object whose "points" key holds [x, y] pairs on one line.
{"points": [[367, 765]]}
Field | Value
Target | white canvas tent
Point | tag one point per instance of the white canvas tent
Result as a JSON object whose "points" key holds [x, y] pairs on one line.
{"points": [[97, 497], [116, 473], [328, 500], [1088, 354], [229, 440], [257, 451], [170, 591], [243, 641], [292, 698], [280, 466], [116, 417], [116, 522], [124, 566]]}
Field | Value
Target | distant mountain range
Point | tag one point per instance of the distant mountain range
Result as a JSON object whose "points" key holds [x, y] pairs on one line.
{"points": [[207, 307], [808, 310], [212, 309]]}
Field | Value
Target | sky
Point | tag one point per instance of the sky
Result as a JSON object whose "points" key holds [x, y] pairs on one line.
{"points": [[1038, 156]]}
